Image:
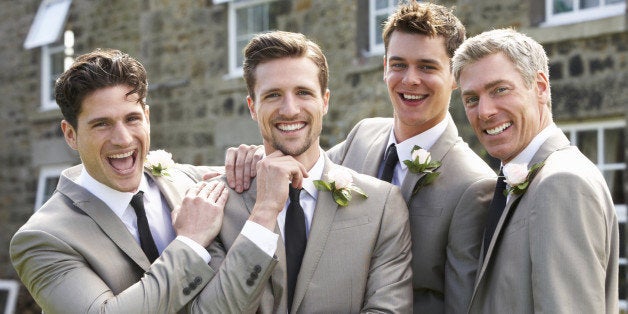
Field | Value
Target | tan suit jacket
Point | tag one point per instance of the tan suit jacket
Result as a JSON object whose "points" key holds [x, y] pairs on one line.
{"points": [[76, 256], [357, 257], [447, 217], [558, 250]]}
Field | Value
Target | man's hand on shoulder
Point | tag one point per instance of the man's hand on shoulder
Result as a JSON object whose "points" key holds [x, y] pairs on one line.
{"points": [[200, 215], [240, 165]]}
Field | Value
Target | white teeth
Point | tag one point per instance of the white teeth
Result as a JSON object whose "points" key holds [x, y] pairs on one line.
{"points": [[412, 97], [290, 127], [498, 129], [124, 155]]}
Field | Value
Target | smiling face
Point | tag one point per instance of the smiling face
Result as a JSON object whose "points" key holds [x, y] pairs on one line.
{"points": [[419, 79], [504, 113], [289, 107], [112, 137]]}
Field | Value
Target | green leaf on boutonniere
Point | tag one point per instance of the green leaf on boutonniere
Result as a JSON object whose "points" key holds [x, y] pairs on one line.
{"points": [[519, 178], [322, 185], [340, 183]]}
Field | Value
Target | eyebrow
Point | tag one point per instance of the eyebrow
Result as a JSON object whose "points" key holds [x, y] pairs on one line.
{"points": [[424, 60], [486, 86]]}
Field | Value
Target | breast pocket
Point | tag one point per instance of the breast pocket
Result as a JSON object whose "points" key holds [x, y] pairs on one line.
{"points": [[350, 223]]}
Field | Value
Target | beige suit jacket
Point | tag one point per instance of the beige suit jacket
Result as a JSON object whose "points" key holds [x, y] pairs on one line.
{"points": [[76, 256], [557, 252], [357, 257], [446, 217]]}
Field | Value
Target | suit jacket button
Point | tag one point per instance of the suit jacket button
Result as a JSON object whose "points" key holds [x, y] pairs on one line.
{"points": [[186, 291], [253, 276], [198, 280], [192, 286], [257, 268], [250, 282]]}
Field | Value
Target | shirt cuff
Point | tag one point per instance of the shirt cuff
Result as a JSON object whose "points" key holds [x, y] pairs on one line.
{"points": [[265, 239], [199, 249]]}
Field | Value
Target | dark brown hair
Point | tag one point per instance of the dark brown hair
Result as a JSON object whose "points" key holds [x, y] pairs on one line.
{"points": [[426, 19], [279, 44], [95, 70]]}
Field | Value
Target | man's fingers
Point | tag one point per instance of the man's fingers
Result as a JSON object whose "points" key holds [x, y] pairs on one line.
{"points": [[230, 160]]}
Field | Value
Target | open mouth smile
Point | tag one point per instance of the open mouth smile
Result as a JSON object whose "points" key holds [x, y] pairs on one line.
{"points": [[290, 127], [499, 129], [123, 162]]}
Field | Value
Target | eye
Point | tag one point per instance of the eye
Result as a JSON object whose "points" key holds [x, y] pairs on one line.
{"points": [[304, 92], [471, 101], [500, 90], [271, 95], [427, 67], [398, 66]]}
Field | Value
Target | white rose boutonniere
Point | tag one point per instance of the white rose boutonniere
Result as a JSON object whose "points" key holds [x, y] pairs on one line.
{"points": [[422, 163], [158, 162], [340, 183], [518, 177]]}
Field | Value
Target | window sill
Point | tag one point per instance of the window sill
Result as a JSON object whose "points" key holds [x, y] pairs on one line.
{"points": [[615, 24]]}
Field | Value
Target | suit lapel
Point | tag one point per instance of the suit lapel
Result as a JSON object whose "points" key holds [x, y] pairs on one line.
{"points": [[438, 151], [555, 142], [375, 154], [324, 214], [103, 216]]}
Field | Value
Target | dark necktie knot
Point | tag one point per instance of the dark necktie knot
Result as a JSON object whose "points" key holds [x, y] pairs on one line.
{"points": [[146, 238], [294, 194], [390, 162]]}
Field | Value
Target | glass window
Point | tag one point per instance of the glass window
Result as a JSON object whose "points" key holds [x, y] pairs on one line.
{"points": [[8, 295], [47, 183], [246, 19], [561, 12], [379, 12]]}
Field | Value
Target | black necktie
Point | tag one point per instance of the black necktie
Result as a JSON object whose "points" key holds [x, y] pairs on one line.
{"points": [[495, 210], [146, 238], [295, 240], [389, 163]]}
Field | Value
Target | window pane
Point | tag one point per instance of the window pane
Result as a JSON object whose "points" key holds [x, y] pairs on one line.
{"points": [[49, 188], [615, 181], [379, 28], [561, 6], [587, 142], [585, 4], [614, 1], [381, 4], [56, 68], [241, 22], [613, 146]]}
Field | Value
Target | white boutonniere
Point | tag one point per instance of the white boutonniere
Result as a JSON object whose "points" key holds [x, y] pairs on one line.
{"points": [[518, 177], [422, 163], [158, 162], [340, 183]]}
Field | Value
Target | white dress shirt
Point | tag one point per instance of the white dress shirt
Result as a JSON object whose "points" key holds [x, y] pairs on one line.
{"points": [[266, 239], [425, 140], [157, 211], [526, 155]]}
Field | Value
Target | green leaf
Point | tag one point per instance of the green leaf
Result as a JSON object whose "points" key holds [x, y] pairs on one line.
{"points": [[322, 185], [340, 198], [359, 191]]}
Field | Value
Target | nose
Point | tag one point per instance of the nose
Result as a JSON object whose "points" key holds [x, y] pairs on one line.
{"points": [[486, 108], [121, 135], [411, 77], [290, 106]]}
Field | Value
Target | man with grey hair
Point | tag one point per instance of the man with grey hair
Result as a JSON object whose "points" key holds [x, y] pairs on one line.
{"points": [[551, 240]]}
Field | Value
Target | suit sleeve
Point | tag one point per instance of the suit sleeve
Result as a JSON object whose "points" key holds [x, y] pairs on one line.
{"points": [[571, 239], [389, 285], [463, 248], [62, 281], [240, 279]]}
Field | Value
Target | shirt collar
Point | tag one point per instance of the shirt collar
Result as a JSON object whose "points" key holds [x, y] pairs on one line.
{"points": [[316, 173], [425, 140], [526, 155], [116, 200]]}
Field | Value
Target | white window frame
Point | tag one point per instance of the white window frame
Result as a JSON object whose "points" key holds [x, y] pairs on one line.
{"points": [[235, 69], [48, 101], [13, 288], [603, 10], [374, 47], [599, 127], [46, 172]]}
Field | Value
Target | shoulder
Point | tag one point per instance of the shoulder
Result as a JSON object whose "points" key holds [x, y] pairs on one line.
{"points": [[465, 165]]}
